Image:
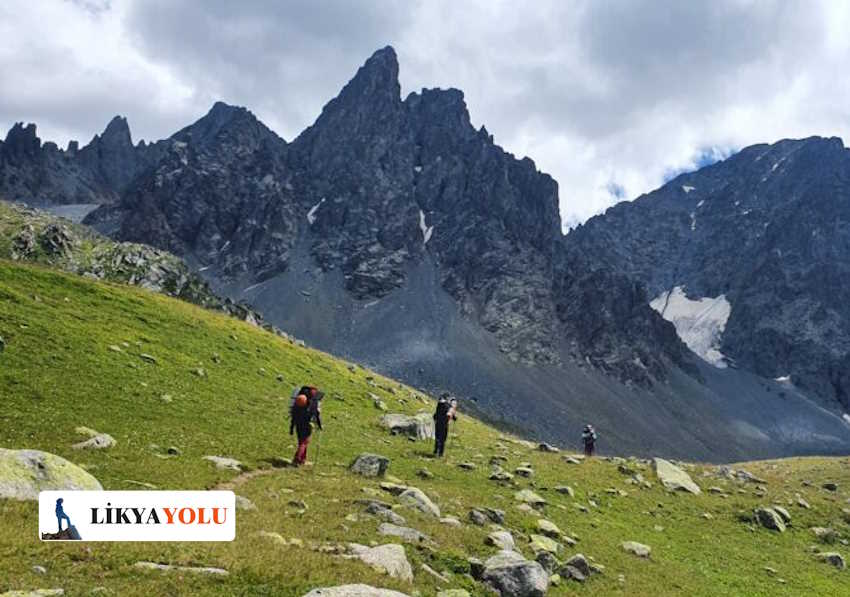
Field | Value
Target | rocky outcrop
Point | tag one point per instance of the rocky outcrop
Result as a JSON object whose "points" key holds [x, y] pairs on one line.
{"points": [[25, 473]]}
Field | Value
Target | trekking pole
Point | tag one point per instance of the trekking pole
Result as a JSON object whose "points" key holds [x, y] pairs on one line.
{"points": [[318, 443]]}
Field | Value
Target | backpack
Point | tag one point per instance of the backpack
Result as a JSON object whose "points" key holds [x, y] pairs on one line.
{"points": [[442, 410]]}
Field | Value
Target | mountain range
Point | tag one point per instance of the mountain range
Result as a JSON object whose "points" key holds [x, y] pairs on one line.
{"points": [[707, 319]]}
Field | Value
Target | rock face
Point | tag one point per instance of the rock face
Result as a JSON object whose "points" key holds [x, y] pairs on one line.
{"points": [[24, 473], [672, 477], [419, 426], [781, 207], [394, 232], [38, 237], [370, 465], [511, 575], [354, 591]]}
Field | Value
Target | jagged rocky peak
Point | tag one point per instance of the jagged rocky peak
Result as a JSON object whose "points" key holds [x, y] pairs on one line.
{"points": [[226, 124], [117, 133], [377, 79], [22, 141]]}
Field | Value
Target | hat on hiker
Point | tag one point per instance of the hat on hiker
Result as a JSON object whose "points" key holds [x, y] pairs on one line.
{"points": [[301, 400]]}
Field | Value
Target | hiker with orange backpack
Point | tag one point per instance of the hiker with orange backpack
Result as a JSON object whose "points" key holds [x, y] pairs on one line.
{"points": [[304, 408]]}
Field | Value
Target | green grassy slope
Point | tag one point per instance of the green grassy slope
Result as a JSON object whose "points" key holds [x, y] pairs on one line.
{"points": [[58, 372]]}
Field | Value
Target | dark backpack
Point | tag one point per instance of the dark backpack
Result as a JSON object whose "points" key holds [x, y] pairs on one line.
{"points": [[442, 411]]}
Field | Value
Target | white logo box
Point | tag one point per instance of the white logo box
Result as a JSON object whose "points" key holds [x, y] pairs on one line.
{"points": [[139, 515]]}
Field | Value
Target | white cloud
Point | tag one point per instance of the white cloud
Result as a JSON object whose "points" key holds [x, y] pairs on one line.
{"points": [[606, 97]]}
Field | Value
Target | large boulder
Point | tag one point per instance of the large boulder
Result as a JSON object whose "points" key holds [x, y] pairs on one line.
{"points": [[354, 591], [370, 465], [672, 477], [390, 559], [511, 575], [419, 426], [24, 473], [416, 498]]}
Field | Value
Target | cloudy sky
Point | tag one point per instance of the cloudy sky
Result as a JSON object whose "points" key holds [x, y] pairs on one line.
{"points": [[610, 97]]}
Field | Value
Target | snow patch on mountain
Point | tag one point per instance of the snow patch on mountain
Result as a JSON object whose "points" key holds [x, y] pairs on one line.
{"points": [[699, 322], [687, 188], [311, 215], [426, 230]]}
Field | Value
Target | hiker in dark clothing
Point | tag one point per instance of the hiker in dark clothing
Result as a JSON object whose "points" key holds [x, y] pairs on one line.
{"points": [[588, 436], [60, 514], [446, 411], [305, 407]]}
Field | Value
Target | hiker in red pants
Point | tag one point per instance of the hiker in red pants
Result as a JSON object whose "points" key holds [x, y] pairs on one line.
{"points": [[304, 409]]}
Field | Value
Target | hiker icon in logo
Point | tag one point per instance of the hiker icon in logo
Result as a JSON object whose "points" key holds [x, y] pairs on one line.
{"points": [[70, 533]]}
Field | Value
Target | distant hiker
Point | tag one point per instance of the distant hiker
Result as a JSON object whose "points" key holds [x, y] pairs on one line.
{"points": [[446, 411], [60, 514], [588, 436], [304, 408]]}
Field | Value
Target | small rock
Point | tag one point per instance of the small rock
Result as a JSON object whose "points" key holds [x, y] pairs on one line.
{"points": [[477, 517], [199, 371], [836, 559], [529, 497], [501, 539], [547, 560], [39, 569], [416, 498], [148, 358], [524, 471], [243, 503], [359, 590], [223, 462], [424, 473], [542, 543], [638, 549], [467, 466], [451, 521], [544, 447], [830, 486], [770, 519], [786, 517], [550, 529], [825, 535], [403, 533], [194, 569], [565, 489], [370, 465]]}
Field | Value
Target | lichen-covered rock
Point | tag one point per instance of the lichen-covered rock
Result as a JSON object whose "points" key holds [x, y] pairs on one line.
{"points": [[390, 559], [416, 498], [370, 465], [24, 473], [511, 575], [770, 519]]}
